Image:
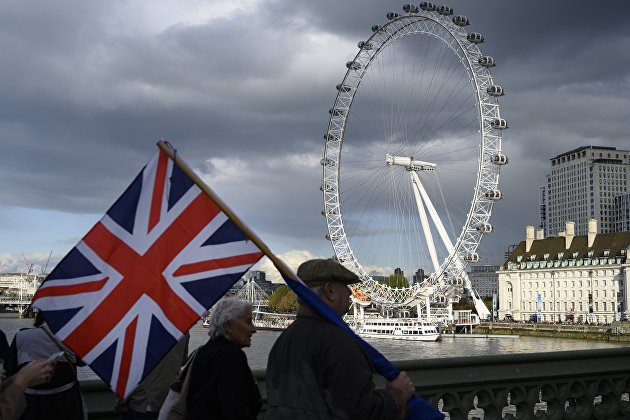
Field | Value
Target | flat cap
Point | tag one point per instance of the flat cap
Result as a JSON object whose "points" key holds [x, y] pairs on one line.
{"points": [[319, 271]]}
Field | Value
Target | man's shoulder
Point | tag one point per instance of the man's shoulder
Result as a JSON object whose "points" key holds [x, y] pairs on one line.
{"points": [[317, 330], [314, 324]]}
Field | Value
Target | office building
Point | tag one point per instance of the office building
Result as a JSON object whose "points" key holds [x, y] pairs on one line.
{"points": [[484, 279], [583, 184], [622, 212], [419, 277], [260, 278]]}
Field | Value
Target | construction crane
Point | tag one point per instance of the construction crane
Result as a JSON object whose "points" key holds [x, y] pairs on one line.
{"points": [[43, 272], [29, 266]]}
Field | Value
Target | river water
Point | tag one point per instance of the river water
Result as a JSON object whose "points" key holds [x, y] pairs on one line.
{"points": [[394, 350]]}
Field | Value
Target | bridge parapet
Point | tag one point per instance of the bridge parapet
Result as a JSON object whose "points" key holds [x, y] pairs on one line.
{"points": [[575, 385]]}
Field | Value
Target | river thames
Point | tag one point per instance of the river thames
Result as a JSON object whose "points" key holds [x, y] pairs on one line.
{"points": [[394, 350]]}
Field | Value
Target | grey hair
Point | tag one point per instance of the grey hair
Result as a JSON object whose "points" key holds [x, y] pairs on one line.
{"points": [[318, 290], [225, 310]]}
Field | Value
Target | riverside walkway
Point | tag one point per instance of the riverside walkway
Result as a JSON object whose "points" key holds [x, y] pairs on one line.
{"points": [[576, 385], [615, 332]]}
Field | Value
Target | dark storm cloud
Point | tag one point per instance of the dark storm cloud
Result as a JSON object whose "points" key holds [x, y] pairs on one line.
{"points": [[84, 95], [112, 95]]}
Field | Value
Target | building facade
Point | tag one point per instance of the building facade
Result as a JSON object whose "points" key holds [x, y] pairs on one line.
{"points": [[484, 279], [569, 278], [583, 184], [260, 277], [622, 212]]}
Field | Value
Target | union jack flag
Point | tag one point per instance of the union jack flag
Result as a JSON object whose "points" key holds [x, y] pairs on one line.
{"points": [[162, 255]]}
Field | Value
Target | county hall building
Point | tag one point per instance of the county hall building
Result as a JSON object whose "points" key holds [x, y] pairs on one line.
{"points": [[566, 278]]}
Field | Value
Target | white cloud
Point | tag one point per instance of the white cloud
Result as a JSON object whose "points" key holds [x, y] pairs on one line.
{"points": [[292, 258]]}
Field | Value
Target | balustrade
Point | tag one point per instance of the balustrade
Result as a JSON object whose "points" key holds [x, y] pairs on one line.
{"points": [[574, 385]]}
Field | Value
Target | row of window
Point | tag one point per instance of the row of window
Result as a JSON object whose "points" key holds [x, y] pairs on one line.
{"points": [[569, 306], [574, 274], [579, 283], [559, 293]]}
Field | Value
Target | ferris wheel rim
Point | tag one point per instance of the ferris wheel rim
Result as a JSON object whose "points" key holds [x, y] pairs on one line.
{"points": [[489, 137]]}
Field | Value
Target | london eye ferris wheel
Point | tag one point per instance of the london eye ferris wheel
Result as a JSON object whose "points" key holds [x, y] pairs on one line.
{"points": [[412, 156]]}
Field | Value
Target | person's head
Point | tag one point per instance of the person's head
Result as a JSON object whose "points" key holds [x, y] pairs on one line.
{"points": [[330, 281], [232, 318]]}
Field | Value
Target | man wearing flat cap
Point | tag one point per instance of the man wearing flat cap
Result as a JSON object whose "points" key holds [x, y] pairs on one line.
{"points": [[318, 371]]}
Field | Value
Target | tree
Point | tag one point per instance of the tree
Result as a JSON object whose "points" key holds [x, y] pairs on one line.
{"points": [[397, 281], [283, 300], [288, 302], [276, 297], [464, 304]]}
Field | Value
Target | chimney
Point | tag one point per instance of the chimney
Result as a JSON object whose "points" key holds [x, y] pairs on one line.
{"points": [[540, 233], [592, 231], [529, 237], [569, 233]]}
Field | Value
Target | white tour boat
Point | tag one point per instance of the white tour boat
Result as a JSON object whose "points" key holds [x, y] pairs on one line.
{"points": [[398, 329]]}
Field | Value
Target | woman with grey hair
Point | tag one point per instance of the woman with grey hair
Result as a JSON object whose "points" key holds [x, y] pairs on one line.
{"points": [[221, 383]]}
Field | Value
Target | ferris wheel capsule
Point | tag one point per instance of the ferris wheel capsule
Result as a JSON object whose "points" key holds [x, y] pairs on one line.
{"points": [[475, 38], [365, 45], [486, 61], [494, 195], [499, 124], [499, 159], [445, 10], [327, 162], [495, 90], [392, 15], [461, 20], [353, 65], [375, 28], [345, 88], [484, 228], [410, 8], [472, 257], [428, 6]]}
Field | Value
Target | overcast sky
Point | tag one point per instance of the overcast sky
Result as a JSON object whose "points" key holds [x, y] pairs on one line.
{"points": [[242, 89]]}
